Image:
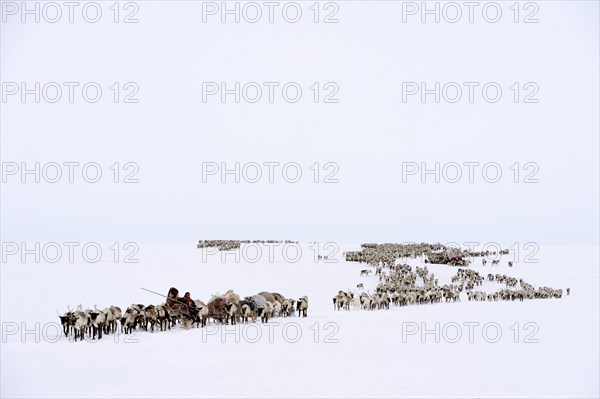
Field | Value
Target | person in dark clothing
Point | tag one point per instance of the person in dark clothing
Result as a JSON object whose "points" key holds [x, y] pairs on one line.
{"points": [[187, 299], [172, 296]]}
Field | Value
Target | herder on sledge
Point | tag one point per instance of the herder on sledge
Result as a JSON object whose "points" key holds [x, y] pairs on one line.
{"points": [[182, 307]]}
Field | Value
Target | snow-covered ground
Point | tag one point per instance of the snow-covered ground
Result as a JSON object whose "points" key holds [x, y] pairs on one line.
{"points": [[535, 348]]}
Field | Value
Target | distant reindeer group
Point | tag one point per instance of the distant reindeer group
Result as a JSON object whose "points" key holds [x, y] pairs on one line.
{"points": [[398, 283]]}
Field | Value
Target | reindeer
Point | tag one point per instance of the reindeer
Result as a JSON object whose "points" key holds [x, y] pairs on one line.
{"points": [[232, 312], [116, 315], [129, 319], [342, 301], [68, 320], [109, 319], [151, 317], [97, 319], [276, 309], [265, 311], [80, 325], [302, 306], [287, 307], [248, 313], [202, 315], [163, 317]]}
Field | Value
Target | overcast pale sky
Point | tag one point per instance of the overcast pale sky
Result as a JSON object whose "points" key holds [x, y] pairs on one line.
{"points": [[366, 136]]}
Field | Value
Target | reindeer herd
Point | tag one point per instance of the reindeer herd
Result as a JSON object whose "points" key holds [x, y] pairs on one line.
{"points": [[400, 289], [224, 309], [95, 322], [229, 245], [399, 286], [388, 254]]}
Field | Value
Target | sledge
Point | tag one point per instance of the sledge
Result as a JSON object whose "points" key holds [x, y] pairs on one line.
{"points": [[445, 258], [216, 309]]}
